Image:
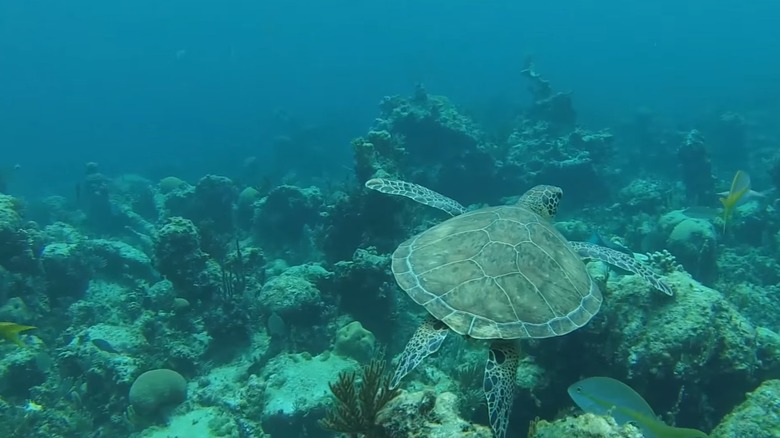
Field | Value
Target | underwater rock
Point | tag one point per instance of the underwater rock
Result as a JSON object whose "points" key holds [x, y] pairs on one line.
{"points": [[429, 142], [282, 219], [105, 375], [294, 295], [693, 242], [245, 206], [20, 371], [156, 391], [359, 217], [66, 269], [697, 339], [643, 196], [426, 414], [160, 296], [15, 309], [756, 417], [16, 253], [537, 156], [213, 204], [123, 340], [365, 290], [296, 392], [582, 426], [95, 198], [431, 128], [138, 197], [548, 106], [170, 184], [176, 199], [376, 155], [178, 256], [123, 263], [355, 342], [696, 169]]}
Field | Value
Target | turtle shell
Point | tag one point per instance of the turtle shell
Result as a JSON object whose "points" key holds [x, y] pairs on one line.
{"points": [[498, 273]]}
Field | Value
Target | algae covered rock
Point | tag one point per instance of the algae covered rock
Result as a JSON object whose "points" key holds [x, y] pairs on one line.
{"points": [[757, 417], [122, 261], [294, 294], [679, 336], [179, 258], [583, 426], [157, 389], [426, 414], [296, 391], [15, 252], [285, 211], [66, 269], [20, 371], [355, 342], [693, 242]]}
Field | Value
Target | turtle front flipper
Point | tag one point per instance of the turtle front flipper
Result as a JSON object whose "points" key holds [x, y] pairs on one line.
{"points": [[499, 384], [417, 193], [425, 341], [622, 261]]}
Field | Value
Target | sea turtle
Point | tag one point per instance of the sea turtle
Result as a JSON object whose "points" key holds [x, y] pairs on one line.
{"points": [[500, 274]]}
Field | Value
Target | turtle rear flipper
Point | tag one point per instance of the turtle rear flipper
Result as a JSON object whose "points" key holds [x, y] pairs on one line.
{"points": [[499, 384], [425, 341], [417, 193], [622, 261]]}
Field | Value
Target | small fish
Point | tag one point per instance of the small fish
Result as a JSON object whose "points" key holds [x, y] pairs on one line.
{"points": [[607, 396], [740, 186], [104, 345], [10, 332]]}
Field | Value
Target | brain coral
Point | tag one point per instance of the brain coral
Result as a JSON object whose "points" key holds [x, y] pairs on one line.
{"points": [[157, 389]]}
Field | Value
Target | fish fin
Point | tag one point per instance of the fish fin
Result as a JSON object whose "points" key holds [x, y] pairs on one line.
{"points": [[10, 331]]}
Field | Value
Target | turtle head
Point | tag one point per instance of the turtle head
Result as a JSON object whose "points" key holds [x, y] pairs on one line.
{"points": [[542, 200]]}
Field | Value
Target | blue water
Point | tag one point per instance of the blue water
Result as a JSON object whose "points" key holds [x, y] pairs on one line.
{"points": [[190, 87]]}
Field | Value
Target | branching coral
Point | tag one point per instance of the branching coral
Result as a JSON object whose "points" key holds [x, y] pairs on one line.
{"points": [[359, 400]]}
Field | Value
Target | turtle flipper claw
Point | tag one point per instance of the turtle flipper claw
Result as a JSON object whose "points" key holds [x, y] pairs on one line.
{"points": [[425, 341], [499, 384]]}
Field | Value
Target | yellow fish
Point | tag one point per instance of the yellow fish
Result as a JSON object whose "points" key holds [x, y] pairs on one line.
{"points": [[607, 396], [10, 332], [740, 186]]}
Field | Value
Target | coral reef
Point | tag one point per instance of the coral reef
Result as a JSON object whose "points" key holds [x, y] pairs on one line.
{"points": [[756, 417], [259, 302], [582, 426]]}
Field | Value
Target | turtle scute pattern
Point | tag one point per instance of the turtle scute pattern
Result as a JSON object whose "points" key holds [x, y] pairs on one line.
{"points": [[498, 273]]}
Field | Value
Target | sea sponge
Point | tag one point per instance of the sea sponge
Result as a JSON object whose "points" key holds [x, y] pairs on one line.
{"points": [[157, 389], [354, 341]]}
